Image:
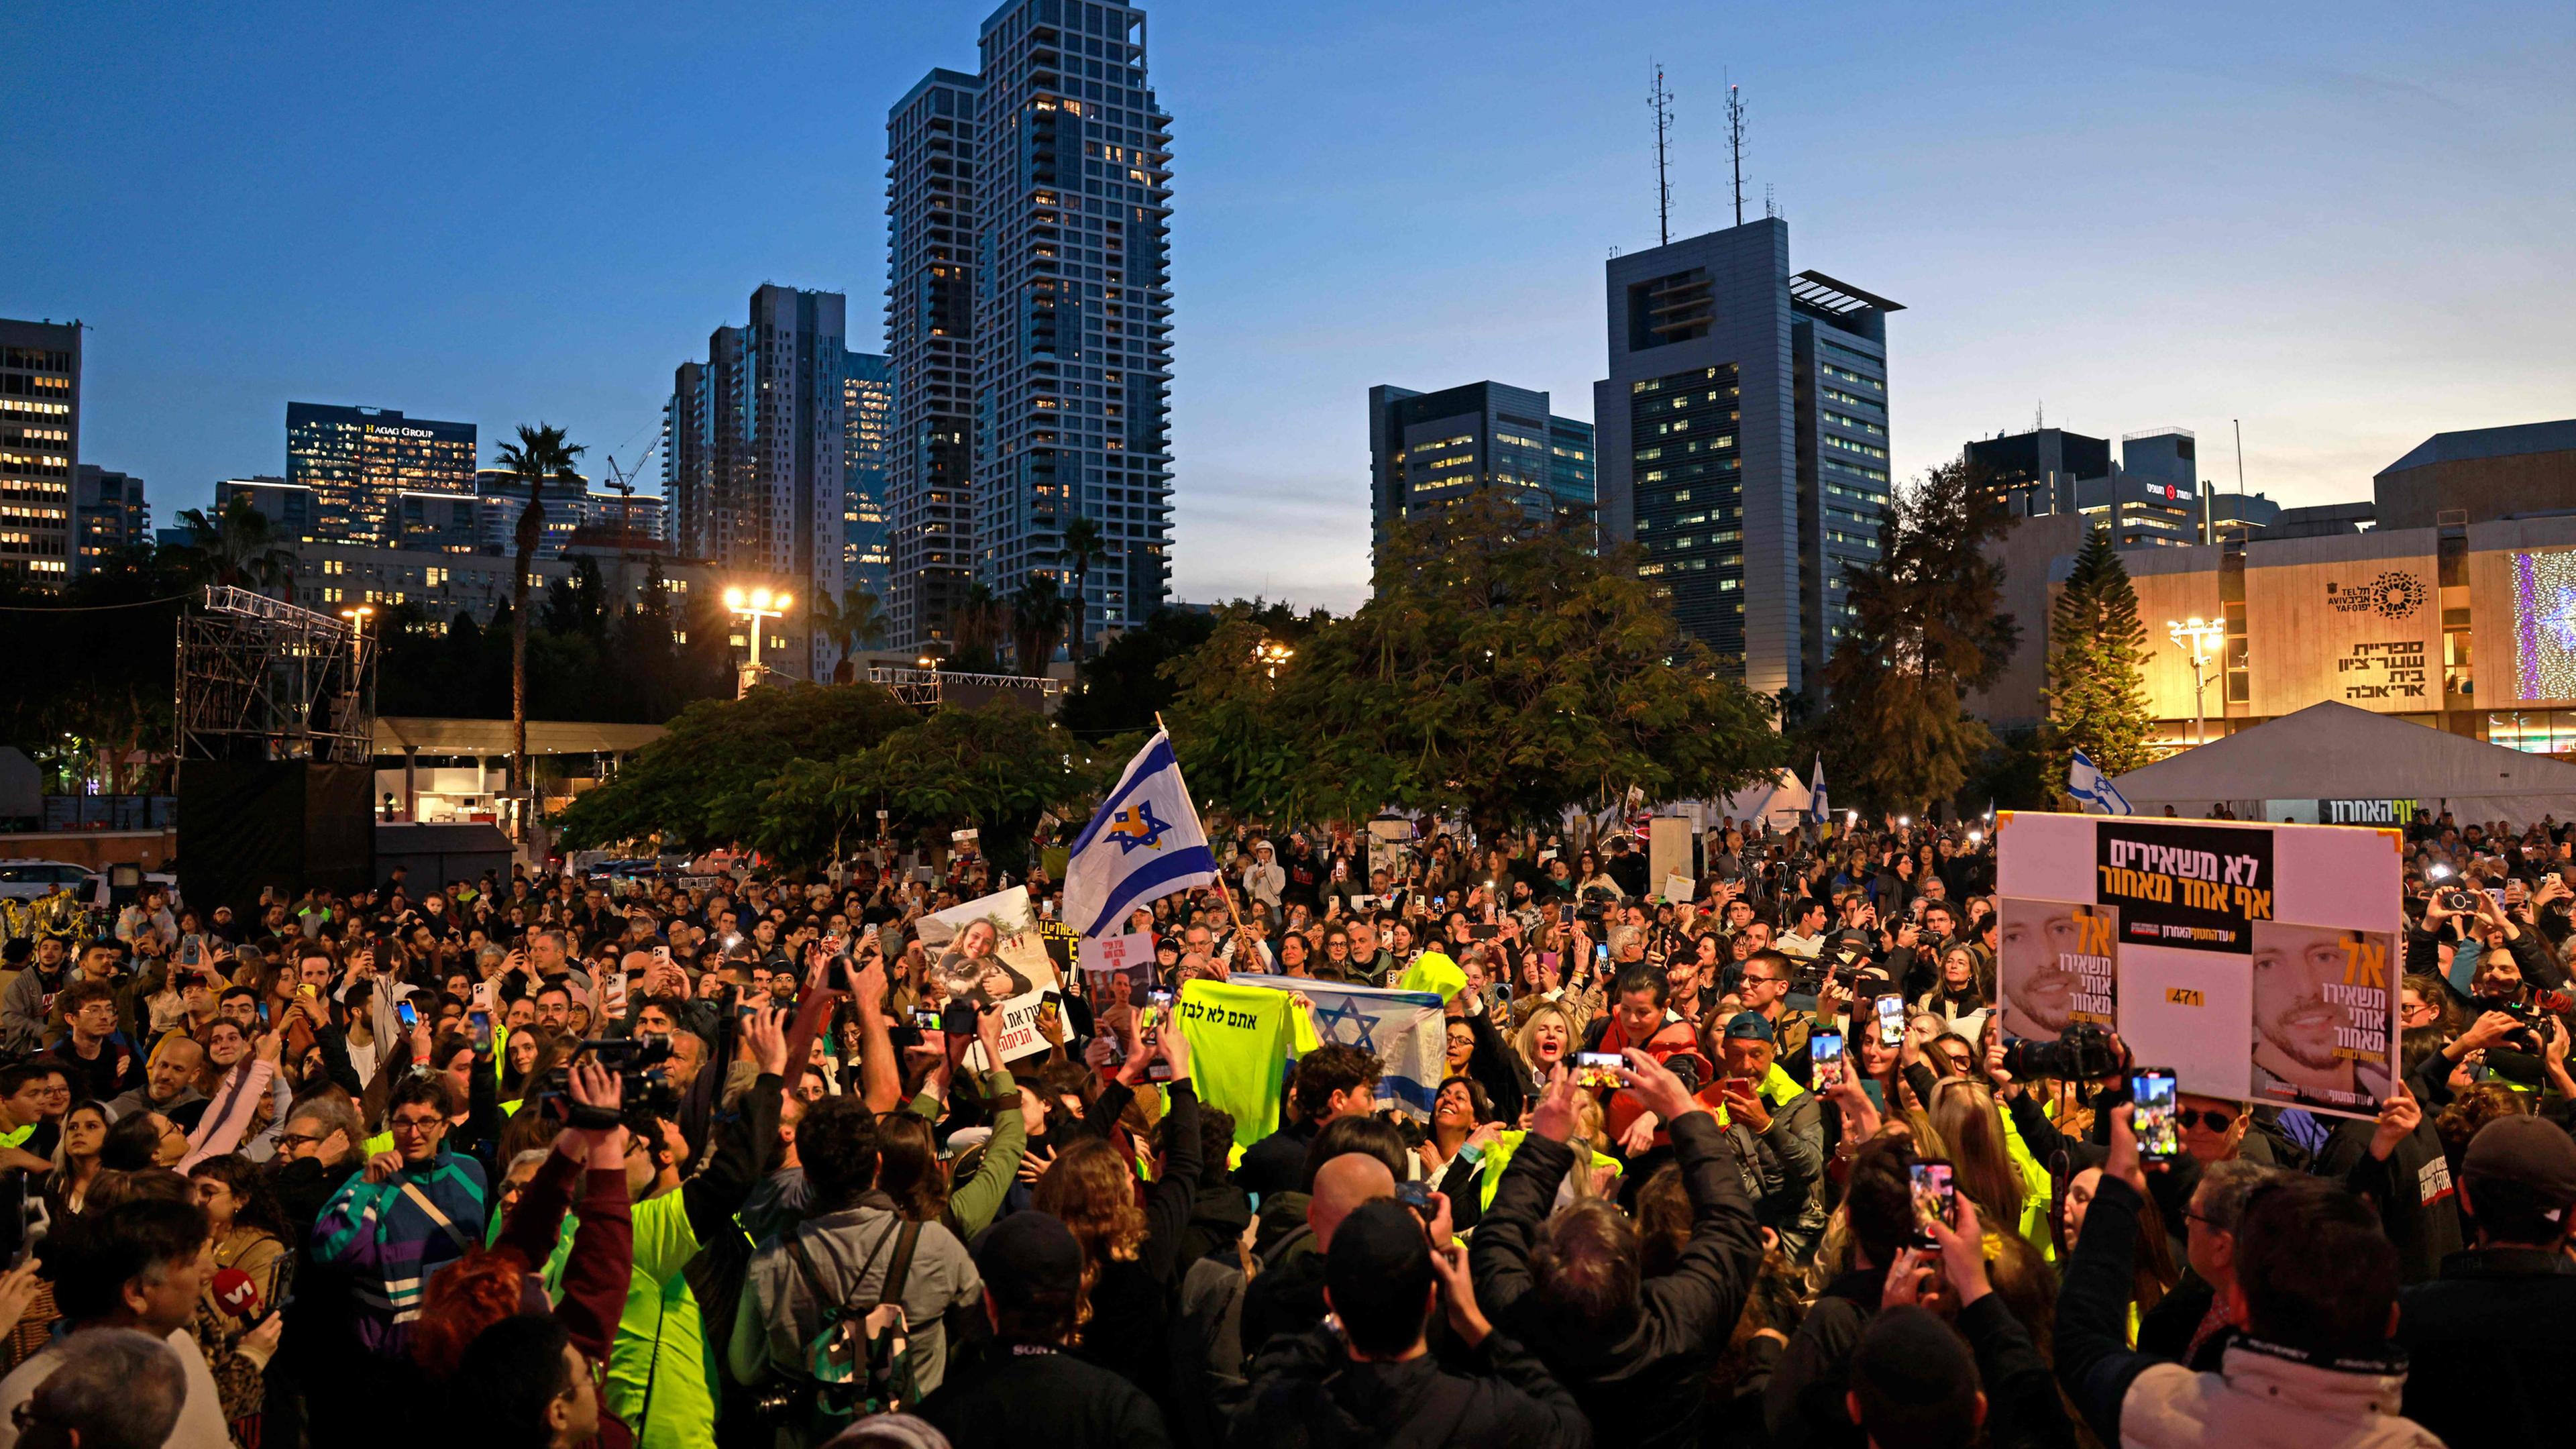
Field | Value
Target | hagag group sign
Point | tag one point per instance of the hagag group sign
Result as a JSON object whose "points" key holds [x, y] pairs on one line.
{"points": [[2260, 962]]}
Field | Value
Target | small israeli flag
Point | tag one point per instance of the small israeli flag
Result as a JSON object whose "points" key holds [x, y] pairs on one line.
{"points": [[1816, 809], [1145, 844], [2086, 782]]}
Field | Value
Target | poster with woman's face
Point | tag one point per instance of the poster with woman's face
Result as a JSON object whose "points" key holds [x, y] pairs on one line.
{"points": [[989, 951]]}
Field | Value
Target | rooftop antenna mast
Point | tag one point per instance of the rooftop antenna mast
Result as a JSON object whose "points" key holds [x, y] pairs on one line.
{"points": [[1735, 143], [1662, 102]]}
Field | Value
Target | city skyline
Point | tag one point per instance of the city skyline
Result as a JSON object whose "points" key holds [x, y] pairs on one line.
{"points": [[2347, 232]]}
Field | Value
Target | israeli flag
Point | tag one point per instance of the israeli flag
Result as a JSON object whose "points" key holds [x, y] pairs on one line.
{"points": [[1407, 1031], [1816, 808], [2086, 782], [1145, 844]]}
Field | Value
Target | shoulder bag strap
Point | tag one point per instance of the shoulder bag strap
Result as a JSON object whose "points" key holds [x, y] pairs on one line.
{"points": [[899, 1271]]}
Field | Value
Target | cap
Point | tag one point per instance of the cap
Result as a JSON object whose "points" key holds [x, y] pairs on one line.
{"points": [[1379, 1267], [2531, 1151], [1748, 1026], [1026, 1255]]}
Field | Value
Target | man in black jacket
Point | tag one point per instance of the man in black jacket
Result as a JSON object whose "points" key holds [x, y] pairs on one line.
{"points": [[2484, 1338], [1368, 1376], [1635, 1354], [1024, 1388]]}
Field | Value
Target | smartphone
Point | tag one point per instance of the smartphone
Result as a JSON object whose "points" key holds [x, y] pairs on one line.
{"points": [[1825, 1051], [404, 1013], [1935, 1200], [1417, 1196], [479, 1025], [483, 996], [1891, 1020], [925, 1018], [2153, 1091], [1601, 951], [1598, 1069]]}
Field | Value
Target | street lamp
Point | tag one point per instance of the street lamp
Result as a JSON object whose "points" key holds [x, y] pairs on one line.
{"points": [[2198, 633], [756, 605], [1270, 654]]}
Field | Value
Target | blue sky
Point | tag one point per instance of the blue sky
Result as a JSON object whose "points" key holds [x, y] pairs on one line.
{"points": [[2347, 225]]}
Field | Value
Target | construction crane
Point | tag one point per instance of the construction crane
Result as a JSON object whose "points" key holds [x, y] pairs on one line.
{"points": [[623, 479]]}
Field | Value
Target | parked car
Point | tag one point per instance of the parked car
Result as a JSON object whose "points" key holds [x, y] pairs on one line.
{"points": [[31, 880]]}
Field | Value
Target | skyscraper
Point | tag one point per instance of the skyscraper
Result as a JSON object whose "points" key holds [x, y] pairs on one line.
{"points": [[1029, 207], [930, 346], [359, 461], [1743, 441], [867, 408], [110, 516], [40, 396], [752, 441], [1427, 450]]}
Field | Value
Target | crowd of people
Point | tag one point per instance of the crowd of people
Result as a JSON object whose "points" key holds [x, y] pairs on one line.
{"points": [[565, 1161]]}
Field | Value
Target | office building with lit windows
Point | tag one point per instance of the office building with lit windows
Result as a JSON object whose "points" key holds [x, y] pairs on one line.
{"points": [[867, 410], [1743, 442], [1029, 318], [40, 398], [109, 516], [2152, 495], [930, 353], [358, 461], [1427, 450], [752, 449]]}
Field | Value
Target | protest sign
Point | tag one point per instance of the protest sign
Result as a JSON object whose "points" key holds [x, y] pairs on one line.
{"points": [[990, 949], [1679, 889], [1241, 1041], [2258, 961]]}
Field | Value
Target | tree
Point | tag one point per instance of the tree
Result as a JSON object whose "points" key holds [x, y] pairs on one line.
{"points": [[979, 623], [854, 623], [1928, 627], [237, 547], [1038, 614], [1082, 547], [705, 783], [1125, 685], [2097, 649], [994, 768], [542, 455], [1502, 669]]}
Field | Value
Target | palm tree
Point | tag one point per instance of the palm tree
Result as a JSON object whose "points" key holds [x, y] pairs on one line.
{"points": [[237, 547], [1038, 615], [541, 456], [1083, 546], [853, 623], [978, 623]]}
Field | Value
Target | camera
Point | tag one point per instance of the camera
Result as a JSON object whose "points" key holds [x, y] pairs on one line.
{"points": [[2458, 901], [644, 1085], [2082, 1053]]}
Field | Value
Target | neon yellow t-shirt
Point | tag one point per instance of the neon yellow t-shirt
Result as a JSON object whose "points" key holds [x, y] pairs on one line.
{"points": [[1241, 1038]]}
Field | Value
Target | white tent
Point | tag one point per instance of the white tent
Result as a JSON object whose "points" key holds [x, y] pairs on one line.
{"points": [[1781, 801], [2298, 767]]}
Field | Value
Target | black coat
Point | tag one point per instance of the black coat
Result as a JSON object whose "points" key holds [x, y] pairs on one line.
{"points": [[2485, 1344], [1011, 1395], [1649, 1386], [1308, 1394]]}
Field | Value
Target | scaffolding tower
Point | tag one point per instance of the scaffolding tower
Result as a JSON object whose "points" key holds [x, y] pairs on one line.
{"points": [[265, 680]]}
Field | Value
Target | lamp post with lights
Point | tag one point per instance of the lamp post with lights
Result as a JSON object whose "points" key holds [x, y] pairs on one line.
{"points": [[1270, 654], [2197, 633], [755, 605]]}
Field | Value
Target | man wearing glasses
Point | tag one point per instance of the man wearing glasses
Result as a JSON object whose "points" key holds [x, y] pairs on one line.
{"points": [[94, 1052]]}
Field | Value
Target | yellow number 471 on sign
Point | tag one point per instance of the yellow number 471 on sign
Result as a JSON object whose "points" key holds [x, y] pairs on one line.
{"points": [[2182, 996]]}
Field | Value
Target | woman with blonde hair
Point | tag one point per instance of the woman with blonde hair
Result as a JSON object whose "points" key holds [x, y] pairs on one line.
{"points": [[1546, 1041], [1987, 1159]]}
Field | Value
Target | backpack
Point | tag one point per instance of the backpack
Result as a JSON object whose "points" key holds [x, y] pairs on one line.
{"points": [[861, 1356]]}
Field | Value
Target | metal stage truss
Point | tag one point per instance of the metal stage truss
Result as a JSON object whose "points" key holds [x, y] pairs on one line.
{"points": [[261, 679], [927, 688]]}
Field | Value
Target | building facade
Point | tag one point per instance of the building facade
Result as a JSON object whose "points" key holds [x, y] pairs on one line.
{"points": [[357, 461], [1743, 442], [2480, 473], [867, 411], [931, 143], [1428, 450], [1029, 320], [2152, 495], [752, 448], [109, 516], [40, 401]]}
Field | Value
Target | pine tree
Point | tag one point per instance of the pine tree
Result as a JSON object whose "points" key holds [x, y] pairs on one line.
{"points": [[2096, 652], [1928, 626]]}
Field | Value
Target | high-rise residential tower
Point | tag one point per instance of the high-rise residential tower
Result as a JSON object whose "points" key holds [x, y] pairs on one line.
{"points": [[40, 396], [1427, 450], [1028, 319], [359, 462], [1744, 442], [753, 440], [867, 409]]}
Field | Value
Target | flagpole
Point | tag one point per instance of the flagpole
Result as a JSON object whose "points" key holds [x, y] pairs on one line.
{"points": [[1192, 801]]}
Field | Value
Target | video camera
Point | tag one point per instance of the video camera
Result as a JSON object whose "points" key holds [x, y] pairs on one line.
{"points": [[643, 1083], [2082, 1053]]}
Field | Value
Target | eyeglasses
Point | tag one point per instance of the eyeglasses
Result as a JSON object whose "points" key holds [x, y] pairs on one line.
{"points": [[2216, 1121], [292, 1140], [414, 1124]]}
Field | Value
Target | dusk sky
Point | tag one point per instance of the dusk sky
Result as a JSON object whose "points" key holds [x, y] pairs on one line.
{"points": [[2349, 225]]}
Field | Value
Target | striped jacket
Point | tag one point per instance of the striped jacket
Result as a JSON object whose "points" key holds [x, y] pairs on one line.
{"points": [[391, 1243]]}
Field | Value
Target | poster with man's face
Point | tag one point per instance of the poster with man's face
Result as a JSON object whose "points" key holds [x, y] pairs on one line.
{"points": [[2055, 966], [2320, 1014]]}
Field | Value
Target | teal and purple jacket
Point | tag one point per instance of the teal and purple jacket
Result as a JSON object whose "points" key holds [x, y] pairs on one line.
{"points": [[392, 1236]]}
